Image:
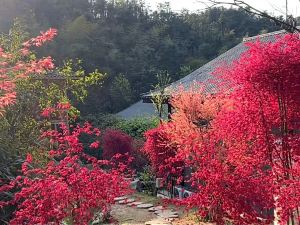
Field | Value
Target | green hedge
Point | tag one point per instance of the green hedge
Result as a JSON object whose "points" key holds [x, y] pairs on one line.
{"points": [[136, 127], [133, 127]]}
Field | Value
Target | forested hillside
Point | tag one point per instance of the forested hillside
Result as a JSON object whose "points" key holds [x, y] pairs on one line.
{"points": [[129, 42]]}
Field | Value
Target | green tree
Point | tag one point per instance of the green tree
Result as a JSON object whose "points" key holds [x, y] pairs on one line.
{"points": [[21, 124], [121, 92], [159, 95], [125, 37]]}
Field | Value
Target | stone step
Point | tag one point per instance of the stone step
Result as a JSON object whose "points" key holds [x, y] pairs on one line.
{"points": [[170, 211], [167, 215], [156, 208], [120, 198], [157, 222], [126, 201], [135, 203], [145, 206]]}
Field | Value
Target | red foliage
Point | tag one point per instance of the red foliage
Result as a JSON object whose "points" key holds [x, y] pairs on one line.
{"points": [[66, 189], [260, 131], [116, 142], [72, 186], [41, 39], [245, 161], [162, 152], [11, 71], [95, 145], [168, 146], [139, 157], [58, 111]]}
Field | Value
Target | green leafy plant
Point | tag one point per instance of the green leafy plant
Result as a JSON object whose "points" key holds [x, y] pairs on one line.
{"points": [[147, 178], [101, 120], [159, 96], [20, 126], [76, 80], [137, 127]]}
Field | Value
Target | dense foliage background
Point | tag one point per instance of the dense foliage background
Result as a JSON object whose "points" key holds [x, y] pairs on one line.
{"points": [[129, 42]]}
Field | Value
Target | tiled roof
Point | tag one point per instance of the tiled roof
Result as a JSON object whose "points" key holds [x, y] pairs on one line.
{"points": [[139, 109], [204, 74]]}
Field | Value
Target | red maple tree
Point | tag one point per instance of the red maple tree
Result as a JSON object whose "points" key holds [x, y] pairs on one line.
{"points": [[162, 153], [116, 142], [244, 149], [12, 70], [72, 187]]}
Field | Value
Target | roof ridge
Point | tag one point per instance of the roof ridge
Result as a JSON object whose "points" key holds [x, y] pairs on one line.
{"points": [[198, 71], [246, 39]]}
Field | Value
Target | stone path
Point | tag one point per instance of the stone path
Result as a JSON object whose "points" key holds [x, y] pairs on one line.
{"points": [[144, 206], [157, 222], [153, 209], [120, 198], [166, 214], [135, 203], [127, 201], [163, 216]]}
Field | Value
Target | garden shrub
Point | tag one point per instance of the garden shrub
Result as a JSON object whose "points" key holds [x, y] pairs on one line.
{"points": [[100, 120], [162, 152], [147, 179], [73, 187], [137, 127], [130, 133], [10, 168], [116, 142], [139, 158]]}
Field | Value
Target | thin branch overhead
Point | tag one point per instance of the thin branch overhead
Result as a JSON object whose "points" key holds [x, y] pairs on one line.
{"points": [[289, 24]]}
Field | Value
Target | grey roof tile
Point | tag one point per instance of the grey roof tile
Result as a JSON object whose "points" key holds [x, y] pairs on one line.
{"points": [[204, 75], [139, 109]]}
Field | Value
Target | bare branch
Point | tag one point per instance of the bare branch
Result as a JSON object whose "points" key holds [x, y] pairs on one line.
{"points": [[289, 24]]}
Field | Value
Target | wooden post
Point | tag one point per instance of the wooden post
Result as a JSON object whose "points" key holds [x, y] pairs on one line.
{"points": [[169, 111]]}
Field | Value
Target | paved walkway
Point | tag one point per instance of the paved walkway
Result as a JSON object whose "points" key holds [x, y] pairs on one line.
{"points": [[154, 215]]}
